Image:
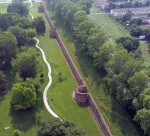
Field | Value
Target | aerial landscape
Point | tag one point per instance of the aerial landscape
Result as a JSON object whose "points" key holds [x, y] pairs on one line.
{"points": [[74, 68]]}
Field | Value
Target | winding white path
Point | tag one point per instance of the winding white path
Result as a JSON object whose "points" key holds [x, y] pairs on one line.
{"points": [[49, 74]]}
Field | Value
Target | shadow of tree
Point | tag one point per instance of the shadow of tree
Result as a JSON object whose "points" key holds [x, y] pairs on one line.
{"points": [[25, 120]]}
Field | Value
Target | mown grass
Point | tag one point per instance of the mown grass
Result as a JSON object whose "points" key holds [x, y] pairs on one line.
{"points": [[3, 8], [110, 26], [116, 117], [94, 9], [145, 53], [60, 93]]}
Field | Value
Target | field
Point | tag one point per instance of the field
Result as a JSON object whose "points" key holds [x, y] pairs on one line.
{"points": [[60, 93], [110, 26], [145, 53], [3, 8], [60, 96], [117, 118]]}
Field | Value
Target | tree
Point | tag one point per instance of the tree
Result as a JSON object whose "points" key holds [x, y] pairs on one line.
{"points": [[143, 118], [8, 47], [4, 84], [135, 30], [104, 54], [25, 64], [23, 96], [129, 43], [127, 16], [23, 22], [60, 128], [39, 24], [20, 34], [31, 33], [138, 82], [6, 20], [147, 33], [136, 21], [145, 98], [19, 8]]}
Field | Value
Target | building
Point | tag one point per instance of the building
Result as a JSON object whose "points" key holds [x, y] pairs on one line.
{"points": [[134, 11]]}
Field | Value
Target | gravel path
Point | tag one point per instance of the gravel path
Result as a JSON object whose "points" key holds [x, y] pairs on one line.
{"points": [[49, 75]]}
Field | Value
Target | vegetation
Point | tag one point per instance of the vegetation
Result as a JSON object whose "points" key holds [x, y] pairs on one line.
{"points": [[115, 30], [24, 96], [4, 84], [8, 47], [18, 7], [121, 79], [60, 93], [25, 64], [39, 24], [19, 33], [32, 118], [129, 43], [60, 128]]}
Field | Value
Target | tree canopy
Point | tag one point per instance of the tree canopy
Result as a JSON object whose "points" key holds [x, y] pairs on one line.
{"points": [[8, 47], [39, 24], [23, 96], [60, 128], [19, 8], [25, 64]]}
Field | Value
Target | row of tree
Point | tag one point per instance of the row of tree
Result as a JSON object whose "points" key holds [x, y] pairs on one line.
{"points": [[126, 78]]}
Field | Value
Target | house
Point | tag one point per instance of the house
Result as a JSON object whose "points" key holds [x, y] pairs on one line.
{"points": [[134, 11]]}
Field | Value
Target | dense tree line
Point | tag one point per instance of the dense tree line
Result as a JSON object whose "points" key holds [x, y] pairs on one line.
{"points": [[60, 128], [126, 78]]}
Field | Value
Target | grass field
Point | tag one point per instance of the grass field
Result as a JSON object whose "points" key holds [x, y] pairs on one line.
{"points": [[117, 118], [3, 8], [60, 93], [145, 53], [110, 26], [93, 9], [60, 96]]}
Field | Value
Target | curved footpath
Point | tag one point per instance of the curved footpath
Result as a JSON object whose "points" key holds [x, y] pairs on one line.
{"points": [[49, 75]]}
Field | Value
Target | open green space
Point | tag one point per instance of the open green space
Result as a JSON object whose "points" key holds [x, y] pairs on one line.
{"points": [[110, 26], [60, 93], [116, 117], [145, 53], [3, 8]]}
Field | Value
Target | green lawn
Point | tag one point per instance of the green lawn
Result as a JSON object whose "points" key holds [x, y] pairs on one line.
{"points": [[117, 118], [110, 26], [3, 8], [60, 93], [145, 53], [94, 9]]}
